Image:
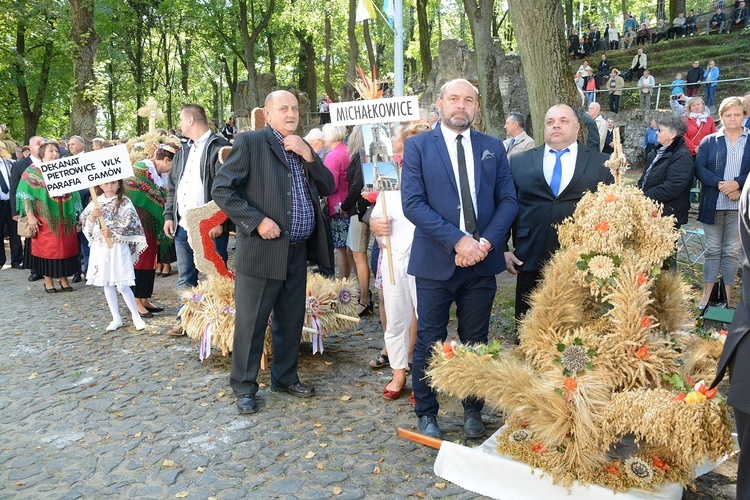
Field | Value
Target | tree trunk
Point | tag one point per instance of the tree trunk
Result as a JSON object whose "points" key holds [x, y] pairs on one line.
{"points": [[249, 40], [351, 67], [111, 102], [183, 52], [568, 15], [85, 43], [31, 111], [308, 79], [425, 54], [539, 30], [675, 7], [368, 45], [332, 94], [271, 55], [480, 14]]}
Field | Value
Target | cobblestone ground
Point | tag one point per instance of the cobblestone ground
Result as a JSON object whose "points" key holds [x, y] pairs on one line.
{"points": [[88, 414]]}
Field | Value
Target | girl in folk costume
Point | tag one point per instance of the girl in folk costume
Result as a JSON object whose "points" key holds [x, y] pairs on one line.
{"points": [[112, 268]]}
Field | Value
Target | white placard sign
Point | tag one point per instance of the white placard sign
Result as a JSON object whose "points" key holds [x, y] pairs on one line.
{"points": [[393, 109], [72, 173]]}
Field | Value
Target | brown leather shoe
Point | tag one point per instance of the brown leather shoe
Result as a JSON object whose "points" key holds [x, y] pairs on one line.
{"points": [[176, 330]]}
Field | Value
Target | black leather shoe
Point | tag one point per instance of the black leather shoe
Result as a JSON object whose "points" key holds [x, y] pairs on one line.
{"points": [[154, 309], [473, 426], [428, 426], [77, 278], [297, 389], [247, 404], [35, 277], [147, 314], [17, 266]]}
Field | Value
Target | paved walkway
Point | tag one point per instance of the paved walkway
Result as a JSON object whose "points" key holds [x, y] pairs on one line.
{"points": [[88, 414]]}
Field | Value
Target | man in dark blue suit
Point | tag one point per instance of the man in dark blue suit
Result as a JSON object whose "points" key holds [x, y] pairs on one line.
{"points": [[736, 354], [550, 180], [457, 190]]}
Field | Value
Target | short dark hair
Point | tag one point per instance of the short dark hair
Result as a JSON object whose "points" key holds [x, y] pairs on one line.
{"points": [[518, 118], [196, 111], [673, 122]]}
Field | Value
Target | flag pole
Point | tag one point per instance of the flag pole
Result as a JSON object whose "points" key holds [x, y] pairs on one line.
{"points": [[398, 48]]}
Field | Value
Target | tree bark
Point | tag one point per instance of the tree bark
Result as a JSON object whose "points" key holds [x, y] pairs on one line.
{"points": [[332, 94], [368, 45], [85, 44], [425, 33], [249, 40], [480, 14], [675, 7], [111, 102], [351, 67], [308, 79], [32, 111], [539, 30]]}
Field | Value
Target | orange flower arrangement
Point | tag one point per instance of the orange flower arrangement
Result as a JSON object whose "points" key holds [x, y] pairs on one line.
{"points": [[570, 383], [659, 463], [645, 322], [448, 351], [642, 280], [642, 353], [611, 197], [603, 226], [613, 469]]}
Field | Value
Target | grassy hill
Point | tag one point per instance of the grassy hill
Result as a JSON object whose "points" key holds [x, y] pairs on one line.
{"points": [[668, 57]]}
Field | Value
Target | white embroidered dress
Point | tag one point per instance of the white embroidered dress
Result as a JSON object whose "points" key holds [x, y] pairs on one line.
{"points": [[113, 266]]}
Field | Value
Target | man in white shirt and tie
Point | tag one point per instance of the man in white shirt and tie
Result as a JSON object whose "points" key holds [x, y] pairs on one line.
{"points": [[550, 180], [518, 140], [8, 226]]}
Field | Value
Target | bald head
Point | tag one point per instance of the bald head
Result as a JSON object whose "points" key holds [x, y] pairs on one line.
{"points": [[560, 126], [282, 112], [595, 109]]}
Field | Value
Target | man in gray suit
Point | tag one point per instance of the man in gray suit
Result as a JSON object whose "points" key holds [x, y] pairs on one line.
{"points": [[550, 181], [518, 140], [270, 187], [736, 357]]}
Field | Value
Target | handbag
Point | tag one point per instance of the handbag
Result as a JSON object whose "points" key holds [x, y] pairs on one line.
{"points": [[24, 230], [718, 294]]}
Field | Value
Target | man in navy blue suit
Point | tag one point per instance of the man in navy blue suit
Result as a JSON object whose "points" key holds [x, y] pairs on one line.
{"points": [[457, 191]]}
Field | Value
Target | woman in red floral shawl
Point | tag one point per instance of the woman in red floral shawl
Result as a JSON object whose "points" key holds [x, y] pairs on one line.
{"points": [[54, 252]]}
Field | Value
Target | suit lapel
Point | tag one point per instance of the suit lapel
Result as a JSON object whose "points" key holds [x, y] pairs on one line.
{"points": [[437, 135], [581, 162], [275, 146], [539, 169], [476, 147]]}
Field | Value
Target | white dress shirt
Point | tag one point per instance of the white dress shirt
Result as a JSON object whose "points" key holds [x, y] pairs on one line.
{"points": [[568, 162], [190, 188], [451, 144], [5, 166]]}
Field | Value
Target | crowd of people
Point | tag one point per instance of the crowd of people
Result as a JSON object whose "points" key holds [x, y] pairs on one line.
{"points": [[443, 238], [592, 39]]}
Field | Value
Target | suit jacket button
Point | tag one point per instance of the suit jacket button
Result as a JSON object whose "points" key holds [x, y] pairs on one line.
{"points": [[288, 175], [289, 194], [289, 213], [286, 233]]}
